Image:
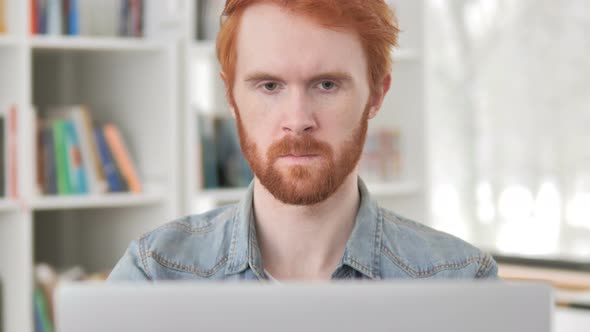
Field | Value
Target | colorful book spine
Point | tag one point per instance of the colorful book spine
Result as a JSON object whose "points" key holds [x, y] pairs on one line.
{"points": [[206, 129], [39, 155], [108, 165], [73, 18], [54, 17], [3, 18], [49, 167], [135, 17], [235, 171], [2, 157], [121, 157], [92, 166], [124, 26], [64, 187], [42, 16], [1, 307], [75, 162], [34, 19], [40, 303]]}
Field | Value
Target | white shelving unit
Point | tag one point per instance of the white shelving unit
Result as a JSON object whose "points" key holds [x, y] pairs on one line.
{"points": [[8, 41], [98, 201], [407, 196], [7, 205], [91, 44], [130, 82]]}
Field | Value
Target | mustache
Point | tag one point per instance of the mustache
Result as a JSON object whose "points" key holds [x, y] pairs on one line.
{"points": [[303, 145]]}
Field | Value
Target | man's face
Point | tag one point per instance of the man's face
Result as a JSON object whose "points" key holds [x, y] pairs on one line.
{"points": [[301, 100]]}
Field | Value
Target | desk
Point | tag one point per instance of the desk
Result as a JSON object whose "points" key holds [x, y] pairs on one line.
{"points": [[571, 320]]}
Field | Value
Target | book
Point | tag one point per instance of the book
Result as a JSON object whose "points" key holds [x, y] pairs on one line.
{"points": [[136, 17], [131, 18], [73, 15], [206, 130], [108, 166], [124, 26], [49, 184], [122, 158], [41, 311], [47, 279], [34, 19], [12, 156], [42, 16], [75, 163], [54, 17], [3, 17], [2, 157], [1, 307], [40, 169], [82, 119], [118, 170], [79, 116], [234, 170], [64, 187], [65, 11]]}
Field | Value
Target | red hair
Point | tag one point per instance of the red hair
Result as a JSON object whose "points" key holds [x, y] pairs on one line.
{"points": [[373, 20]]}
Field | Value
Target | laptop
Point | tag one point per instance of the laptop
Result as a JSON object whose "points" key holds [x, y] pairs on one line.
{"points": [[342, 306]]}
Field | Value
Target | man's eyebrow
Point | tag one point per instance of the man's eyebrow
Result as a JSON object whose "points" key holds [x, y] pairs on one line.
{"points": [[260, 76], [332, 76]]}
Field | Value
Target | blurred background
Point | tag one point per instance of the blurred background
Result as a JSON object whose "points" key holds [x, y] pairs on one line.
{"points": [[113, 121]]}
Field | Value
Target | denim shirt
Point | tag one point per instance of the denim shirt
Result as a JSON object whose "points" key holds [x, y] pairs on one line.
{"points": [[222, 245]]}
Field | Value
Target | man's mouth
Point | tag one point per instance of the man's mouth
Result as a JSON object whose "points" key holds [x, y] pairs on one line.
{"points": [[299, 158]]}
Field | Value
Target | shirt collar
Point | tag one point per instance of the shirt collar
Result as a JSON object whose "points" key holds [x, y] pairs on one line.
{"points": [[362, 252], [244, 251]]}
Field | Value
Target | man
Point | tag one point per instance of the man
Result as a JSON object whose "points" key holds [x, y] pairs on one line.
{"points": [[303, 78]]}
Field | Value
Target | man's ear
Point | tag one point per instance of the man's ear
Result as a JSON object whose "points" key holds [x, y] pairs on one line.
{"points": [[230, 102], [378, 96]]}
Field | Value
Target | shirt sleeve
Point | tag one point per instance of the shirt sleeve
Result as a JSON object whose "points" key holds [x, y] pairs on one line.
{"points": [[131, 267], [488, 268]]}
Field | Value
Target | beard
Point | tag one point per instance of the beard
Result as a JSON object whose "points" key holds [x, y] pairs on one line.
{"points": [[308, 184]]}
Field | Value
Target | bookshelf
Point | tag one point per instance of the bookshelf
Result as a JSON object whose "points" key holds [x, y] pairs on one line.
{"points": [[205, 95], [8, 205], [93, 44], [8, 41], [112, 200], [123, 80]]}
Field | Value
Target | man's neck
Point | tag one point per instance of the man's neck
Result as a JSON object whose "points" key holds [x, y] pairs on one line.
{"points": [[305, 242]]}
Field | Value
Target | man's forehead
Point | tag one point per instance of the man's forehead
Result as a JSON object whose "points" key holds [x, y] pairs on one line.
{"points": [[275, 40]]}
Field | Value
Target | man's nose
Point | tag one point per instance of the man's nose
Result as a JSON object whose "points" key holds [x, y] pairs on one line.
{"points": [[298, 116]]}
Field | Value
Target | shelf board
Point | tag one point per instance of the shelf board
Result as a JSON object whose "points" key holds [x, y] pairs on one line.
{"points": [[8, 205], [84, 43], [8, 41], [110, 200]]}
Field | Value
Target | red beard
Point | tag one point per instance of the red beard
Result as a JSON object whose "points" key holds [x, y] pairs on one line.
{"points": [[304, 184]]}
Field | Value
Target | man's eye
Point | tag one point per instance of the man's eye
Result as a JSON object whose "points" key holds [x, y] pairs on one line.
{"points": [[270, 86], [327, 85]]}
